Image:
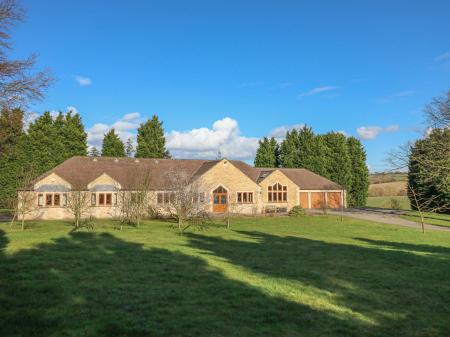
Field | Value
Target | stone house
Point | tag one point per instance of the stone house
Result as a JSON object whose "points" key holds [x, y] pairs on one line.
{"points": [[224, 184]]}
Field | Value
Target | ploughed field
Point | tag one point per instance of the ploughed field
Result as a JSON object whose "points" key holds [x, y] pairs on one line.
{"points": [[306, 276]]}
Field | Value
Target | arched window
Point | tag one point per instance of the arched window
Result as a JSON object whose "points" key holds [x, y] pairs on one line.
{"points": [[277, 193]]}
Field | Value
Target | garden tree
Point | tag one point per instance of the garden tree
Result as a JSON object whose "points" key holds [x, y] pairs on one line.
{"points": [[11, 136], [94, 152], [437, 111], [129, 148], [134, 201], [25, 203], [112, 145], [18, 84], [267, 154], [187, 203], [78, 203], [150, 140], [289, 150], [74, 137], [429, 172], [358, 192], [311, 152], [338, 159]]}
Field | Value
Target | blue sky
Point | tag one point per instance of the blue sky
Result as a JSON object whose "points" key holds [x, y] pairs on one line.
{"points": [[222, 74]]}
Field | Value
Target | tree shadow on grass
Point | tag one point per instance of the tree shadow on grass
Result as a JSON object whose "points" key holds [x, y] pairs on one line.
{"points": [[404, 293], [92, 284]]}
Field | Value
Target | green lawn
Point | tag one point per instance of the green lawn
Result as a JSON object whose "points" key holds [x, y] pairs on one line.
{"points": [[430, 218], [384, 202], [309, 276]]}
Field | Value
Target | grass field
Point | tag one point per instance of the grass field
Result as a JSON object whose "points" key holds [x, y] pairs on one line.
{"points": [[429, 218], [309, 276], [384, 202], [395, 188]]}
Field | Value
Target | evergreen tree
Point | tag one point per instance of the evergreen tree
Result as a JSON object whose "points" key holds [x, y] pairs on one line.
{"points": [[267, 154], [358, 192], [338, 159], [11, 160], [74, 135], [112, 145], [150, 140], [94, 152], [289, 150], [311, 152], [129, 148]]}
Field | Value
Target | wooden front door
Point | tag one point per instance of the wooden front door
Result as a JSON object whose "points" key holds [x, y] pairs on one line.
{"points": [[220, 200]]}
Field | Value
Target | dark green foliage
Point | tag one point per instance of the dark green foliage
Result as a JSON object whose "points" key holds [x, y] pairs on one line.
{"points": [[289, 150], [267, 154], [296, 211], [112, 145], [358, 192], [429, 172], [150, 140], [338, 159], [49, 142]]}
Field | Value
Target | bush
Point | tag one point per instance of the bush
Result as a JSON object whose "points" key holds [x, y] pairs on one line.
{"points": [[296, 211], [394, 203]]}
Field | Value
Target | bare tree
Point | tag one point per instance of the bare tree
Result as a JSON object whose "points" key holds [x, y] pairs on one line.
{"points": [[26, 202], [234, 210], [438, 111], [78, 204], [18, 85], [187, 201], [134, 202]]}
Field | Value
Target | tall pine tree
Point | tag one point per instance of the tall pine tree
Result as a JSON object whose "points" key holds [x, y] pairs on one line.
{"points": [[358, 192], [339, 163], [311, 152], [289, 150], [150, 140], [112, 145], [267, 154], [129, 148]]}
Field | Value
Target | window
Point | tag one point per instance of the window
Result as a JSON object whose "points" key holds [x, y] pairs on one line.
{"points": [[64, 202], [109, 199], [244, 197], [115, 198], [165, 198], [101, 199], [105, 199], [56, 199], [277, 193], [93, 199], [48, 199], [198, 198], [40, 199]]}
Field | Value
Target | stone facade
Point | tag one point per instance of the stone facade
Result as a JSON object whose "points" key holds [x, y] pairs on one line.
{"points": [[245, 194]]}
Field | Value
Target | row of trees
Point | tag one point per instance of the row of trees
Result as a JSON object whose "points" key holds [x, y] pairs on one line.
{"points": [[332, 155], [151, 142], [48, 141]]}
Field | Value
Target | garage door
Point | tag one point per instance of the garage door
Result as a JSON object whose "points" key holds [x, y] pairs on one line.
{"points": [[304, 200], [317, 199], [334, 199]]}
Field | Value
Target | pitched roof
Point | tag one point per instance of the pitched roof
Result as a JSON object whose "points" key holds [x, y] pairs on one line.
{"points": [[80, 171]]}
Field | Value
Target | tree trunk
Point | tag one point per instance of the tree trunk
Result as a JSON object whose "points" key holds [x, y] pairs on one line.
{"points": [[180, 222], [23, 223]]}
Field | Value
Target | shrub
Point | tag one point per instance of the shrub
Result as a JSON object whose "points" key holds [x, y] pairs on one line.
{"points": [[394, 203], [296, 211]]}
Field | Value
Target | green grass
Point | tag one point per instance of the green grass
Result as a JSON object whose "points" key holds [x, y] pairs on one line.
{"points": [[384, 202], [429, 218], [4, 211], [306, 276]]}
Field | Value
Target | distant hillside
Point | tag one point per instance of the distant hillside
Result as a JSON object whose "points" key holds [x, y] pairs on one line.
{"points": [[380, 178]]}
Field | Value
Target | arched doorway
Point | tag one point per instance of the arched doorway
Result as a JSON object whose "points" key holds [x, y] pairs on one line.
{"points": [[220, 200]]}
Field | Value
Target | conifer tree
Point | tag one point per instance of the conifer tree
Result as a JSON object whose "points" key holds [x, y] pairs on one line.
{"points": [[289, 150], [339, 163], [112, 145], [267, 154], [311, 152], [150, 140], [358, 192], [75, 137], [94, 152], [129, 148]]}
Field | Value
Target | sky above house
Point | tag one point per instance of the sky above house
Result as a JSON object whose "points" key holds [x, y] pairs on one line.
{"points": [[223, 74]]}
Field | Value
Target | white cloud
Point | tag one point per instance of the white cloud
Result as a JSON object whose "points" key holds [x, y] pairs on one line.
{"points": [[125, 128], [318, 90], [395, 96], [83, 81], [205, 142], [371, 132], [72, 109], [280, 132]]}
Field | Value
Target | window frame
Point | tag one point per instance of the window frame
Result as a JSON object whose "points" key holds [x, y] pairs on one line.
{"points": [[277, 193], [243, 197]]}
